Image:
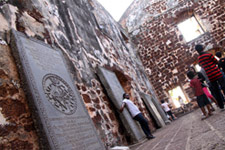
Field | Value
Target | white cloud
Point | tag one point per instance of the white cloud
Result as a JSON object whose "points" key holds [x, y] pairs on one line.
{"points": [[115, 7]]}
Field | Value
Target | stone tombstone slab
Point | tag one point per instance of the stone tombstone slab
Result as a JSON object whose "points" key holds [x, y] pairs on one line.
{"points": [[151, 107], [115, 92], [62, 117], [160, 109]]}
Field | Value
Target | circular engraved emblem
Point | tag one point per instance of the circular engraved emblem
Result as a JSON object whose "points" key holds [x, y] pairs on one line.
{"points": [[59, 94]]}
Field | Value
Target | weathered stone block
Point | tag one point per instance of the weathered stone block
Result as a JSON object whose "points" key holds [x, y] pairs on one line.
{"points": [[60, 114]]}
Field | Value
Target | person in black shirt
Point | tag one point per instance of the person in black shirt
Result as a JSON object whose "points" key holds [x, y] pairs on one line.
{"points": [[221, 63]]}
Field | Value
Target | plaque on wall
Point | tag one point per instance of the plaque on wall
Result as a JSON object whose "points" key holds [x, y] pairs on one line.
{"points": [[147, 99], [115, 92], [62, 119]]}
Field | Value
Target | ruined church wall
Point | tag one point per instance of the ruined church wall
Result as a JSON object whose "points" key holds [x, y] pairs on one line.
{"points": [[162, 48], [88, 37], [16, 128]]}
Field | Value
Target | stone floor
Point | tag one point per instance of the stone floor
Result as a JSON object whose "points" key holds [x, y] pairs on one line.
{"points": [[189, 133]]}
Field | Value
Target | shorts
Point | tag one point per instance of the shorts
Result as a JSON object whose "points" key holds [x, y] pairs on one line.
{"points": [[202, 100], [169, 113]]}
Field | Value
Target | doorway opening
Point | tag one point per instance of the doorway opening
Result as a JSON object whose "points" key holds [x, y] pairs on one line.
{"points": [[175, 94]]}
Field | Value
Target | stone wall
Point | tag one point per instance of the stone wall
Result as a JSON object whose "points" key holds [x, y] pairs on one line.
{"points": [[141, 11], [165, 54], [88, 37], [16, 128]]}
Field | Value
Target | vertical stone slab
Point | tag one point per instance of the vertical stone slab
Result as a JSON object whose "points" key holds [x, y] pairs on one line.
{"points": [[160, 110], [115, 92], [63, 121], [148, 101]]}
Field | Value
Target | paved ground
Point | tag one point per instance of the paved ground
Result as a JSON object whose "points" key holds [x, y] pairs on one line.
{"points": [[189, 133]]}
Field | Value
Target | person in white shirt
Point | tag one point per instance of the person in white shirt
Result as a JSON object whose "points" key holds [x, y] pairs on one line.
{"points": [[166, 108], [181, 101], [136, 115]]}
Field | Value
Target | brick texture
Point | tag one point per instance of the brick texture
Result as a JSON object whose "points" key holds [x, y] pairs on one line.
{"points": [[164, 52]]}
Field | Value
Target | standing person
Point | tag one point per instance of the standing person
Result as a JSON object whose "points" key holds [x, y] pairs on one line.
{"points": [[166, 108], [181, 101], [209, 63], [202, 100], [221, 63], [136, 115], [208, 83], [205, 90]]}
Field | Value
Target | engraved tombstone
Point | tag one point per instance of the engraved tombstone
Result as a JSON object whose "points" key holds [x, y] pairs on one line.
{"points": [[115, 92], [153, 110], [61, 116]]}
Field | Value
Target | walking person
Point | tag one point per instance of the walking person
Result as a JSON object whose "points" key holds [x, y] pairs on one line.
{"points": [[167, 109], [202, 100], [136, 115], [209, 63]]}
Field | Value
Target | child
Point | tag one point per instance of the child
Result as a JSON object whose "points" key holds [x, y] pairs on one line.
{"points": [[202, 100], [205, 90], [166, 108]]}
